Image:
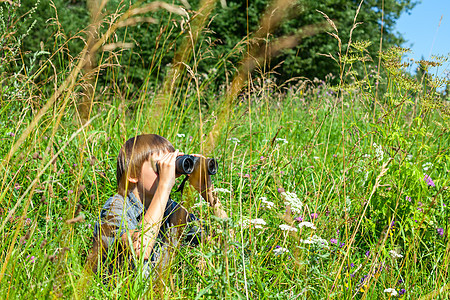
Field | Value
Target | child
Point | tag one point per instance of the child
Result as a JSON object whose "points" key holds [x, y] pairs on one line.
{"points": [[139, 217]]}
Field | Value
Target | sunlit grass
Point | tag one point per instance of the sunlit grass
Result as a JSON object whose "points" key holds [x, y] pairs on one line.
{"points": [[367, 161]]}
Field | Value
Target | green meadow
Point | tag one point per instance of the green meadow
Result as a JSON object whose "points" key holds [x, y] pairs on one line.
{"points": [[335, 188]]}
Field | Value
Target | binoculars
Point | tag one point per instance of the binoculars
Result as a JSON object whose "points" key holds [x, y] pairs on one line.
{"points": [[185, 164]]}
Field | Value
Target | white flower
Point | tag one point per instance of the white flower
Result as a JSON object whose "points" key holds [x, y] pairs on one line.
{"points": [[427, 166], [316, 157], [378, 152], [391, 291], [258, 223], [366, 156], [409, 157], [315, 240], [293, 201], [222, 190], [395, 254], [286, 227], [266, 204], [234, 140], [180, 135], [281, 140], [280, 250], [307, 224]]}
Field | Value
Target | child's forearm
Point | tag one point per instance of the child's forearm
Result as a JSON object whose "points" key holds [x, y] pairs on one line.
{"points": [[144, 241]]}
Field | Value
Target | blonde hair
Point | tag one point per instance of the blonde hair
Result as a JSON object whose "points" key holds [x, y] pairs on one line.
{"points": [[132, 156]]}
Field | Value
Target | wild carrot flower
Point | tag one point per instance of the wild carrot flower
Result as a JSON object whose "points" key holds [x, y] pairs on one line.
{"points": [[307, 224], [315, 240], [429, 181], [286, 227], [391, 292], [180, 135], [259, 223], [394, 254], [266, 204], [279, 250], [293, 201]]}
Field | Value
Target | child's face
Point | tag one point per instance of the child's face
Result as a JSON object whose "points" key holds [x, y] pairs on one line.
{"points": [[148, 181]]}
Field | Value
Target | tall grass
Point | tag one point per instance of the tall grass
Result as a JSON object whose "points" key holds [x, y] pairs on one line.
{"points": [[366, 162]]}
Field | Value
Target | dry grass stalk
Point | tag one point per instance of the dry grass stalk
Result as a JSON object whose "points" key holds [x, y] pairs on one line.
{"points": [[180, 61], [258, 55]]}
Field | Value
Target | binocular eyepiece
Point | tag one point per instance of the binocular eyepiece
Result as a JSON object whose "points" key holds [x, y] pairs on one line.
{"points": [[185, 164]]}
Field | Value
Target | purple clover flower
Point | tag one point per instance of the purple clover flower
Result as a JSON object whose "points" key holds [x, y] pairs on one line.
{"points": [[428, 180], [314, 216], [333, 241], [440, 231], [281, 190], [299, 219], [408, 198]]}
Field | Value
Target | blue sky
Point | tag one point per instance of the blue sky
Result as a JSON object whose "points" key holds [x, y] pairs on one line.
{"points": [[426, 32]]}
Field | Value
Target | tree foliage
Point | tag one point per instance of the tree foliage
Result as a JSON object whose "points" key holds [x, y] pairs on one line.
{"points": [[230, 25]]}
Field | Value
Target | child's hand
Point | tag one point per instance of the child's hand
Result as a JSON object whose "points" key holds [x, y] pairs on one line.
{"points": [[166, 170], [199, 178]]}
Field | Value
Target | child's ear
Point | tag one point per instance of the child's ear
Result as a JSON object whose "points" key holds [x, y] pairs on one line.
{"points": [[133, 180]]}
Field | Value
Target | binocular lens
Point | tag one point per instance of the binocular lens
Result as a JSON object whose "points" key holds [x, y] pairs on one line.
{"points": [[212, 166], [184, 164]]}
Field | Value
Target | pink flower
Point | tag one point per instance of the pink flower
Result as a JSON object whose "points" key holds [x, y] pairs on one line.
{"points": [[429, 181], [281, 190], [314, 216]]}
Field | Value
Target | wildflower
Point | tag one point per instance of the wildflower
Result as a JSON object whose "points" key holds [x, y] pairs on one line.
{"points": [[333, 241], [307, 224], [298, 219], [70, 192], [180, 135], [334, 155], [378, 152], [286, 227], [409, 157], [281, 190], [395, 255], [408, 198], [293, 201], [391, 291], [314, 216], [258, 223], [440, 231], [11, 134], [279, 250], [352, 265], [262, 157], [266, 204], [17, 186], [315, 240], [341, 245], [281, 140], [234, 140], [316, 157], [429, 181], [367, 253], [401, 292], [427, 166], [221, 190]]}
